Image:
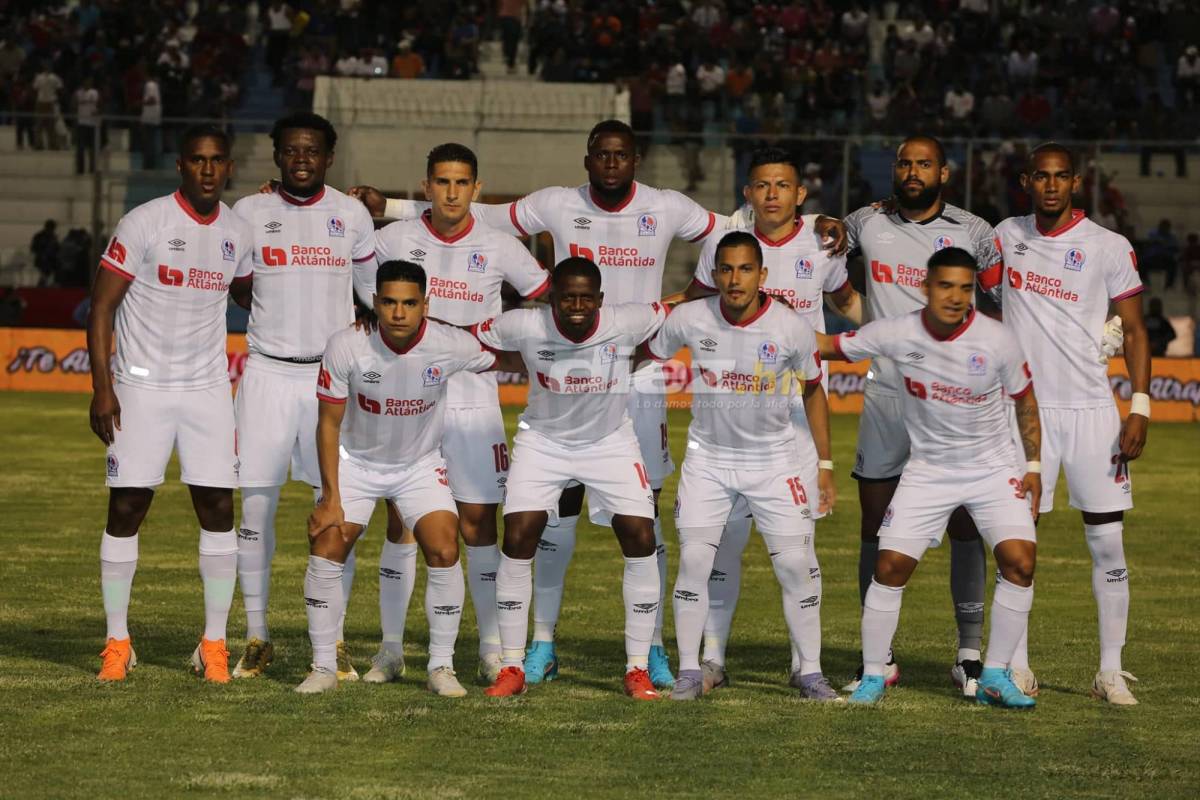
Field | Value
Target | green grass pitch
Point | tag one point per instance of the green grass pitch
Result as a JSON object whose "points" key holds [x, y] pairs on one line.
{"points": [[164, 733]]}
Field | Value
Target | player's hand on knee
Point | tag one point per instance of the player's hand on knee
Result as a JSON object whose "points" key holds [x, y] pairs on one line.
{"points": [[325, 516], [105, 415], [269, 186], [370, 197], [1133, 436], [827, 487], [1031, 488]]}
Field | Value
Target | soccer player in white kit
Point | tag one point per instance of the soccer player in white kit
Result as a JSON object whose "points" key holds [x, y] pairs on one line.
{"points": [[895, 246], [955, 366], [164, 280], [801, 272], [383, 401], [313, 246], [1063, 271], [576, 428], [749, 351], [466, 262]]}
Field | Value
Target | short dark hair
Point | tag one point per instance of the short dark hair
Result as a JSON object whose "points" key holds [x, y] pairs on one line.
{"points": [[202, 131], [610, 126], [304, 120], [951, 257], [451, 151], [403, 271], [1052, 147], [773, 155], [935, 142], [575, 266], [739, 239]]}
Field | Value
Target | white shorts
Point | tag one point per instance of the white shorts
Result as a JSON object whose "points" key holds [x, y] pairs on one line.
{"points": [[1085, 442], [777, 498], [610, 468], [649, 415], [882, 438], [197, 422], [415, 491], [928, 493], [276, 409], [476, 451], [808, 477]]}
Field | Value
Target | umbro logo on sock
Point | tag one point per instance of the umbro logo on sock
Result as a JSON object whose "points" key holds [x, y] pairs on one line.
{"points": [[548, 547], [315, 603], [509, 605], [970, 608], [247, 535], [645, 608], [691, 597], [814, 572], [447, 611], [488, 576], [809, 602], [1118, 575], [388, 572], [717, 575]]}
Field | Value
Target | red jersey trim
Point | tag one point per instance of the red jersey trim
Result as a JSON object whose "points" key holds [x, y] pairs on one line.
{"points": [[365, 258], [765, 302], [697, 282], [301, 201], [335, 400], [837, 348], [653, 355], [619, 206], [1023, 392], [990, 277], [1125, 295], [427, 217], [111, 267], [845, 283], [1133, 259], [512, 217], [712, 221], [569, 337], [539, 291], [1077, 216], [411, 342], [193, 213], [762, 237], [954, 334]]}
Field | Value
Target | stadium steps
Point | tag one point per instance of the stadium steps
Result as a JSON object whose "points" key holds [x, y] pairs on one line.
{"points": [[261, 101], [492, 67]]}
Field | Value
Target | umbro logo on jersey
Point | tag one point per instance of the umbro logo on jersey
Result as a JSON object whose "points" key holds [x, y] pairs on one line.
{"points": [[545, 355], [418, 253], [273, 226], [371, 377], [177, 245], [582, 223], [447, 611], [914, 356], [645, 608], [885, 237], [690, 597], [1021, 248], [708, 345]]}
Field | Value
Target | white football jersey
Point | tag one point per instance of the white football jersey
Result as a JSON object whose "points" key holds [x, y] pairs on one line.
{"points": [[744, 374], [396, 397], [895, 252], [463, 277], [799, 270], [953, 399], [309, 257], [578, 390], [170, 327]]}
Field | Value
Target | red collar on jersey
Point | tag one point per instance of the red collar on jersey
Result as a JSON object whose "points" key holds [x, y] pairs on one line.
{"points": [[764, 300], [411, 342], [1077, 216], [301, 201], [954, 334], [427, 218], [613, 209], [195, 215], [569, 337], [762, 237]]}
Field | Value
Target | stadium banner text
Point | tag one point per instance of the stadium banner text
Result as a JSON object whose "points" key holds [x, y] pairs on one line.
{"points": [[51, 360]]}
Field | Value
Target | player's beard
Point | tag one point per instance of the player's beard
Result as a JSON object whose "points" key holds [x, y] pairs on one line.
{"points": [[612, 197], [926, 198]]}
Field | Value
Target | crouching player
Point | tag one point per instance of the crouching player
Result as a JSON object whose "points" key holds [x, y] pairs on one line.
{"points": [[747, 349], [392, 450], [957, 366]]}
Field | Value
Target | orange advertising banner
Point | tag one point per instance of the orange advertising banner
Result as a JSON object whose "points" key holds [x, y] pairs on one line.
{"points": [[48, 360]]}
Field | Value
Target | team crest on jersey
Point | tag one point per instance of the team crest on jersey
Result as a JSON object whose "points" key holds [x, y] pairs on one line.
{"points": [[976, 364], [114, 467], [942, 242], [1074, 259], [804, 269], [228, 251], [477, 262], [887, 518], [432, 375], [608, 353], [768, 352], [336, 227], [647, 225]]}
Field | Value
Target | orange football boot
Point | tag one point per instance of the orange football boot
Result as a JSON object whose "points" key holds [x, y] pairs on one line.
{"points": [[510, 681], [212, 659], [117, 659], [639, 686]]}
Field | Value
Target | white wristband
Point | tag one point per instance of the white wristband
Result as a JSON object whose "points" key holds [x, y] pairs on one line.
{"points": [[1139, 403], [1033, 466], [825, 465]]}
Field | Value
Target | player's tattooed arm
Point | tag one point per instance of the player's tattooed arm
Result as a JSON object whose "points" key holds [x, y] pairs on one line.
{"points": [[1030, 426], [328, 512], [105, 412], [1137, 362]]}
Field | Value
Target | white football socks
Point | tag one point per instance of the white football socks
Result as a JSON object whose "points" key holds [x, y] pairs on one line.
{"points": [[118, 563], [347, 585], [724, 585], [218, 572], [397, 577], [1110, 585], [881, 616], [482, 563], [514, 591], [550, 571], [256, 548], [323, 600], [691, 600], [660, 553], [445, 591], [794, 565], [641, 592], [1010, 618]]}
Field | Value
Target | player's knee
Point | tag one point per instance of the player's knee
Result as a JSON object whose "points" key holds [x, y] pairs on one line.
{"points": [[477, 523], [214, 507], [329, 544], [127, 507], [636, 535], [441, 554], [893, 569], [1019, 571]]}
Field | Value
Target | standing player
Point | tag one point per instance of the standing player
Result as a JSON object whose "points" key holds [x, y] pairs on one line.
{"points": [[799, 271], [748, 350], [576, 428], [385, 444], [1063, 272], [895, 245], [164, 281], [956, 366], [465, 262], [312, 246]]}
